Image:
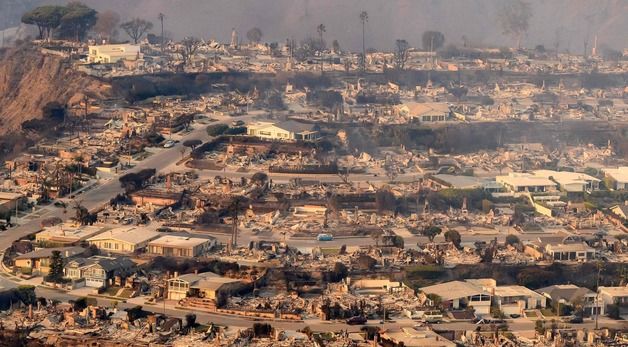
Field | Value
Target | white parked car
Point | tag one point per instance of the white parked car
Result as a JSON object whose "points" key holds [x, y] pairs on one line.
{"points": [[169, 144]]}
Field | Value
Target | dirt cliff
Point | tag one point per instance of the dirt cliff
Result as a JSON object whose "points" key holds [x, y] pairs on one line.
{"points": [[29, 79]]}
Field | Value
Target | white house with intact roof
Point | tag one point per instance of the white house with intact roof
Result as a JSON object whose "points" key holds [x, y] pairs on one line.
{"points": [[288, 130], [109, 54], [526, 182], [614, 296], [124, 240], [462, 294], [619, 176], [571, 181]]}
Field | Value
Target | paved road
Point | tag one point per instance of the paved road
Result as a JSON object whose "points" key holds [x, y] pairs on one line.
{"points": [[360, 179], [245, 236], [106, 189]]}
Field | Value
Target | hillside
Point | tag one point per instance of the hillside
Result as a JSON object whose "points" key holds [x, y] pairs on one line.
{"points": [[30, 79]]}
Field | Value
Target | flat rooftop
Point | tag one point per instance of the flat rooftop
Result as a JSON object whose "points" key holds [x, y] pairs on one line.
{"points": [[69, 233], [510, 291], [615, 291], [619, 174], [133, 235], [454, 290], [179, 241], [9, 196]]}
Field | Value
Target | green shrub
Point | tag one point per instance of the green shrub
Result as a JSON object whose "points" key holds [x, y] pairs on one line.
{"points": [[235, 131], [217, 129]]}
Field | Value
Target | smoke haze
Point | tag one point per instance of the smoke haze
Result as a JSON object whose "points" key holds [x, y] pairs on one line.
{"points": [[570, 21]]}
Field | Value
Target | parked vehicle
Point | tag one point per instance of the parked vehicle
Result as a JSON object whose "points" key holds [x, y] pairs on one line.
{"points": [[576, 320], [169, 144], [324, 237], [356, 320], [433, 317]]}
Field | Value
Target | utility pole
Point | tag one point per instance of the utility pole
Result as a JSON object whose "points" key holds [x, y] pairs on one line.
{"points": [[597, 294], [234, 233], [432, 48]]}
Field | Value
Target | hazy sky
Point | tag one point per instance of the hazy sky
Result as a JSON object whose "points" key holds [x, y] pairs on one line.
{"points": [[570, 20]]}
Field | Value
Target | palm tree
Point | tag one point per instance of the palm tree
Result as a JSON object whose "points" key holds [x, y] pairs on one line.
{"points": [[364, 18], [321, 30], [161, 17]]}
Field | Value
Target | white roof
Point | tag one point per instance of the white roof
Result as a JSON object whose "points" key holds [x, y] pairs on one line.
{"points": [[619, 174], [614, 291], [454, 290], [119, 48], [132, 235], [566, 177], [570, 247], [70, 232], [180, 241], [9, 196], [509, 291], [205, 280], [524, 180]]}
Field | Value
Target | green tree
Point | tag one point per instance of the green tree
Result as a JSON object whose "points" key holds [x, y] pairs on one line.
{"points": [[77, 20], [216, 129], [254, 35], [453, 236], [46, 18], [56, 268], [432, 40], [436, 299], [613, 311], [431, 232], [192, 143], [136, 28], [26, 294]]}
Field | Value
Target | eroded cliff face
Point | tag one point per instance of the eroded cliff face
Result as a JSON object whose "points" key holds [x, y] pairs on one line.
{"points": [[29, 79]]}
